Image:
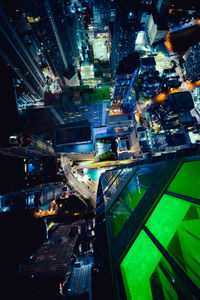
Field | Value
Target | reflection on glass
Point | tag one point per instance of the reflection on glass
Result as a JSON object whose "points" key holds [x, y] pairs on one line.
{"points": [[118, 179], [167, 284], [118, 216], [187, 180], [146, 174], [138, 266], [148, 276], [178, 230], [132, 195]]}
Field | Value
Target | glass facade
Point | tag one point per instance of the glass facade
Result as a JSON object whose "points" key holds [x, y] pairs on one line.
{"points": [[132, 195], [160, 260], [118, 215], [112, 181], [187, 181], [142, 177]]}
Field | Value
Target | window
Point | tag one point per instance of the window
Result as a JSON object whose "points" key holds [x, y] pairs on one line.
{"points": [[178, 231], [118, 216], [187, 180]]}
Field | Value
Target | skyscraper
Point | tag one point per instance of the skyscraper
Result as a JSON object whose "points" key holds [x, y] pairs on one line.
{"points": [[19, 58], [77, 32], [192, 63], [103, 12], [124, 34], [163, 6], [49, 22]]}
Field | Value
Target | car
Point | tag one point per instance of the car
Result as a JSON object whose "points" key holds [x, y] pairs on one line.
{"points": [[13, 140]]}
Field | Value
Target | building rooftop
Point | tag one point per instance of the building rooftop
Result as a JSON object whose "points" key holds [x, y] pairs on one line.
{"points": [[52, 259], [180, 101], [148, 61]]}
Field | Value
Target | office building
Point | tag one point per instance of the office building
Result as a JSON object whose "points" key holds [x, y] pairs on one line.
{"points": [[125, 26], [102, 45], [28, 79], [103, 13], [149, 26], [47, 271], [192, 63], [75, 140], [51, 27], [151, 215], [147, 64], [147, 34], [75, 13], [83, 103], [179, 102]]}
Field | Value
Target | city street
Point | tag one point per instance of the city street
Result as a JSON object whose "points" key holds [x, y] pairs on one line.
{"points": [[85, 188]]}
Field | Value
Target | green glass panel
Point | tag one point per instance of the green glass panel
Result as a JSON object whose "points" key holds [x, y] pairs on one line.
{"points": [[138, 266], [187, 180], [132, 195], [176, 225], [166, 217], [118, 216], [148, 276], [167, 285]]}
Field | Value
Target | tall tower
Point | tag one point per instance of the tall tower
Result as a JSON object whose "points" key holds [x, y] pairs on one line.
{"points": [[163, 6], [124, 34], [18, 57], [49, 22]]}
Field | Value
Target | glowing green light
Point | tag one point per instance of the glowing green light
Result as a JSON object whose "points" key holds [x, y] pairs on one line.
{"points": [[133, 197], [187, 181], [176, 225], [138, 266], [143, 257], [166, 218]]}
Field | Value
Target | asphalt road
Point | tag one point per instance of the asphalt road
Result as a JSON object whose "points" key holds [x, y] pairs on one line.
{"points": [[81, 187]]}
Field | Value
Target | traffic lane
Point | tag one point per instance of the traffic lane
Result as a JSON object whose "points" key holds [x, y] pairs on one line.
{"points": [[76, 183], [80, 187]]}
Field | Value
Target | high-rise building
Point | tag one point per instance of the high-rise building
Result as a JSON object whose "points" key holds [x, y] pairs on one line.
{"points": [[124, 34], [75, 140], [16, 55], [163, 6], [103, 12], [83, 103], [192, 63], [150, 27], [10, 124], [51, 28], [151, 217], [75, 13]]}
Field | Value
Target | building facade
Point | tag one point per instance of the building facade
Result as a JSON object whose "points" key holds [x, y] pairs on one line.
{"points": [[151, 211], [51, 28], [192, 63], [16, 55]]}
